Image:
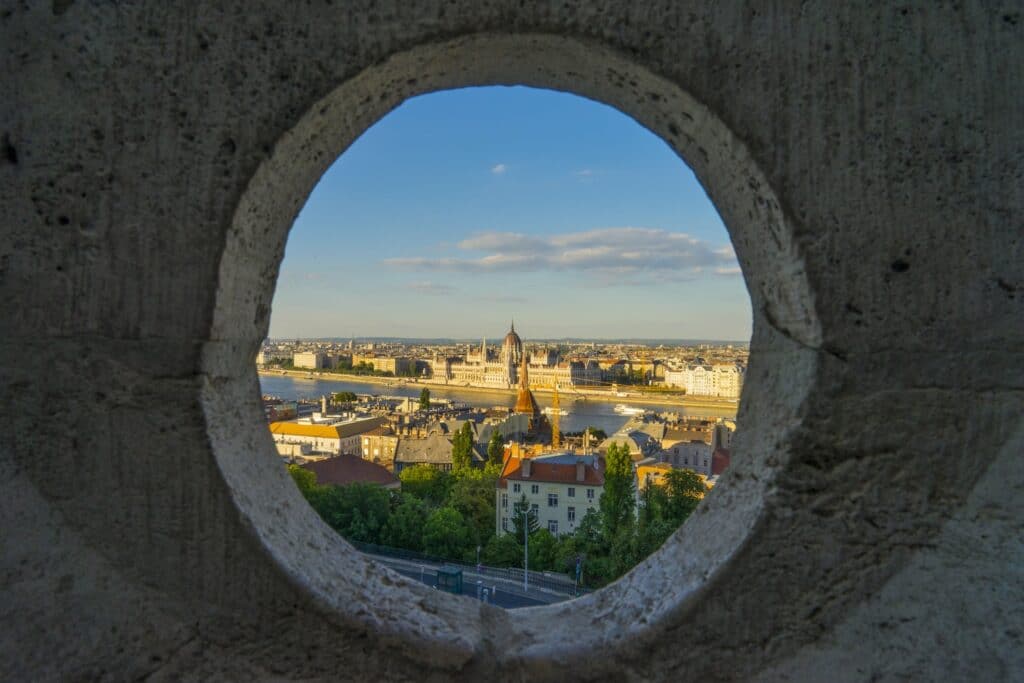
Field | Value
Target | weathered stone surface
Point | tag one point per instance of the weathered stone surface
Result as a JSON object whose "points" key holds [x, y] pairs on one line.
{"points": [[867, 161]]}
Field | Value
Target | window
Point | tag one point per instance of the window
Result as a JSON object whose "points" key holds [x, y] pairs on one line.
{"points": [[504, 523], [705, 462], [552, 500], [553, 526], [516, 488], [590, 494], [535, 510], [504, 500], [571, 492], [571, 514], [534, 488]]}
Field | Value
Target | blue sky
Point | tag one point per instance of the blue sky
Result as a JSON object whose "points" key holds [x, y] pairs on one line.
{"points": [[462, 209]]}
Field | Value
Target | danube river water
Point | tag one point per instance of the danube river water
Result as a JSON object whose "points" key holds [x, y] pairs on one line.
{"points": [[581, 414]]}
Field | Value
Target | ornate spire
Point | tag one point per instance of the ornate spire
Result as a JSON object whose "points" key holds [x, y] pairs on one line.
{"points": [[524, 377]]}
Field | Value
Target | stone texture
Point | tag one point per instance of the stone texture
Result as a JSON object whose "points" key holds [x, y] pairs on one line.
{"points": [[867, 160]]}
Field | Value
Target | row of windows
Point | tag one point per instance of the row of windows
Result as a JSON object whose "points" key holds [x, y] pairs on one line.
{"points": [[552, 524], [535, 489]]}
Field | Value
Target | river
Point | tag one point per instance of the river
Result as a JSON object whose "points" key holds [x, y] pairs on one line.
{"points": [[581, 414]]}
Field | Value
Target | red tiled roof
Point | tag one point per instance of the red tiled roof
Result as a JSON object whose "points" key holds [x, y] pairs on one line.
{"points": [[349, 469], [551, 473]]}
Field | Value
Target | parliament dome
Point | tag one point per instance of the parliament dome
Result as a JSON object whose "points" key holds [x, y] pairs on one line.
{"points": [[512, 347]]}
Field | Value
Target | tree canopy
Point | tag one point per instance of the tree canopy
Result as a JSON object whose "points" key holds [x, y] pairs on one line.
{"points": [[450, 514], [619, 498], [445, 534], [462, 447], [427, 483], [496, 448], [424, 399]]}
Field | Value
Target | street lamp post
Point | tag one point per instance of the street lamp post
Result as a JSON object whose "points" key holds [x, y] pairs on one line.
{"points": [[526, 549]]}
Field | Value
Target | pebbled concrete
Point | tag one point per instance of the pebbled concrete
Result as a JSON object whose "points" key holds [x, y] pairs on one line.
{"points": [[867, 161]]}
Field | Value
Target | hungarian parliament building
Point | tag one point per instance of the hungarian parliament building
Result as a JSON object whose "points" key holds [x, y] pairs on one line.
{"points": [[499, 367]]}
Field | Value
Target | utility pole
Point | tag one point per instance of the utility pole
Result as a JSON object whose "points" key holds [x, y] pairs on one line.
{"points": [[526, 549]]}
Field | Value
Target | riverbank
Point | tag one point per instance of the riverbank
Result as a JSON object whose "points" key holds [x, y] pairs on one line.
{"points": [[717, 406]]}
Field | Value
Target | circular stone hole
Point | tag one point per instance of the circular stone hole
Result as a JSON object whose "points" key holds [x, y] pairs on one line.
{"points": [[400, 421], [662, 594]]}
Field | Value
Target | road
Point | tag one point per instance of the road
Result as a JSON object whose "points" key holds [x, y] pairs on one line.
{"points": [[501, 591]]}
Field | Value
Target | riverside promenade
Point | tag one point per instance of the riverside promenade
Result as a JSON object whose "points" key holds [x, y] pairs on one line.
{"points": [[630, 395]]}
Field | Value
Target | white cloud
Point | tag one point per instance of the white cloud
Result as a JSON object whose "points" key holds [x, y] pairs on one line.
{"points": [[498, 169], [641, 255], [727, 270], [583, 173]]}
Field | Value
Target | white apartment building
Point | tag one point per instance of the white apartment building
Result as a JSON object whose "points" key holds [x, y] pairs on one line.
{"points": [[559, 489], [266, 355], [314, 360], [721, 380]]}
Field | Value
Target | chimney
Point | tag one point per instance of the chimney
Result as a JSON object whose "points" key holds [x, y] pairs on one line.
{"points": [[581, 473], [526, 467]]}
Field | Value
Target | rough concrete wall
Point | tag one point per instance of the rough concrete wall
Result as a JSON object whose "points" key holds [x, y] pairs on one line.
{"points": [[867, 161]]}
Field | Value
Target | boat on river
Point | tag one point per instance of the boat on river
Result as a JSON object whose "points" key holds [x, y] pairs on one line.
{"points": [[623, 409], [551, 411]]}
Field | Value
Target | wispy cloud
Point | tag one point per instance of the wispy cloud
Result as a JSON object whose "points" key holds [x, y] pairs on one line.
{"points": [[584, 173], [498, 169], [431, 288], [637, 255]]}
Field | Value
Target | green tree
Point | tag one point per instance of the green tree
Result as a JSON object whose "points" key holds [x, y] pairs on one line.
{"points": [[304, 479], [473, 494], [566, 554], [684, 490], [504, 551], [320, 498], [445, 535], [427, 483], [519, 519], [618, 500], [462, 447], [425, 399], [344, 397], [359, 511], [404, 528], [496, 448], [543, 550], [596, 434]]}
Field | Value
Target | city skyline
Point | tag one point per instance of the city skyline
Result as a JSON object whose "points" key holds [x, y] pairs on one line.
{"points": [[496, 338], [433, 226]]}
